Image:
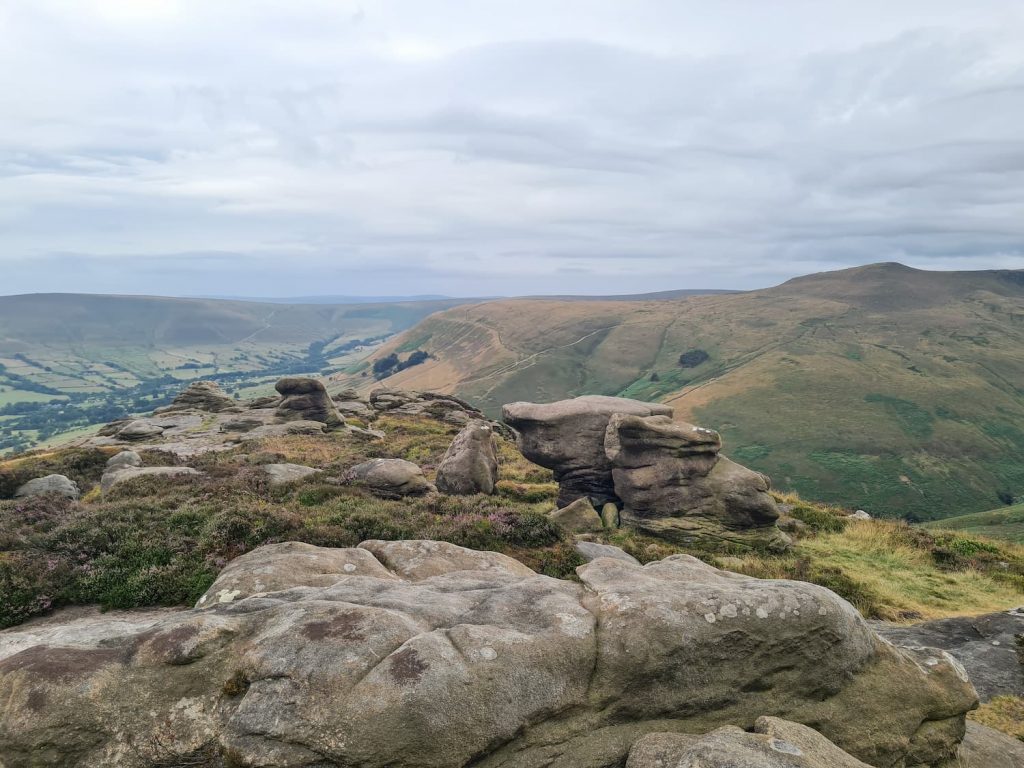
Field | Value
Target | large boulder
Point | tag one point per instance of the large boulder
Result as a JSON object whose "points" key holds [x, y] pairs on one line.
{"points": [[306, 399], [427, 655], [202, 396], [577, 517], [774, 743], [470, 465], [389, 478], [140, 429], [567, 437], [58, 484], [986, 645], [675, 485], [122, 460]]}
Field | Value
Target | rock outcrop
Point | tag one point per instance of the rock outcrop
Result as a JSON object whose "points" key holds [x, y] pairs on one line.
{"points": [[389, 478], [425, 654], [306, 399], [140, 429], [470, 465], [774, 743], [988, 646], [674, 485], [122, 460], [202, 396], [58, 484], [984, 747], [567, 437]]}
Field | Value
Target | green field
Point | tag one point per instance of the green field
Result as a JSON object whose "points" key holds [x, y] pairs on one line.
{"points": [[1004, 523]]}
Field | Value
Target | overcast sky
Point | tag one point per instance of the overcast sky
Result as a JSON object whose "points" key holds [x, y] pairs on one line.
{"points": [[306, 147]]}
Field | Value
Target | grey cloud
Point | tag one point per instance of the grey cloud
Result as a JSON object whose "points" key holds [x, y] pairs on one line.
{"points": [[389, 147]]}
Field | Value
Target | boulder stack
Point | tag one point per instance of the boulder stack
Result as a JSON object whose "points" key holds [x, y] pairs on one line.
{"points": [[306, 399], [674, 485], [567, 437]]}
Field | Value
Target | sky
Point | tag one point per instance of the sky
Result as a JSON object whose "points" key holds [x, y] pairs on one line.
{"points": [[313, 147]]}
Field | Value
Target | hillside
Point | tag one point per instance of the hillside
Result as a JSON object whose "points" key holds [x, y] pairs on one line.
{"points": [[69, 360], [881, 387], [1003, 523]]}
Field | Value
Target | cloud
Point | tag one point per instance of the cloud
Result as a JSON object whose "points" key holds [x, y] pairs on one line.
{"points": [[175, 146]]}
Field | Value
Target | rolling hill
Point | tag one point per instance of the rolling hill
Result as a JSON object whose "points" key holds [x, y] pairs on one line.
{"points": [[895, 390], [1003, 523]]}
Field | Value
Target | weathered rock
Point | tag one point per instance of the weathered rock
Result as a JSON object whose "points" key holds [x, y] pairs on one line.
{"points": [[266, 401], [383, 399], [439, 657], [591, 550], [124, 459], [58, 484], [389, 478], [306, 399], [281, 474], [674, 484], [568, 437], [986, 645], [242, 424], [140, 429], [984, 747], [860, 514], [774, 743], [202, 396], [115, 477], [578, 517], [367, 434], [470, 465]]}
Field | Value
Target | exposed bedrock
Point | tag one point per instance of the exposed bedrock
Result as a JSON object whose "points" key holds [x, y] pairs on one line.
{"points": [[425, 654]]}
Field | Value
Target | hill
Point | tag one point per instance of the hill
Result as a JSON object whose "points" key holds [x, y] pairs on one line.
{"points": [[882, 387], [68, 360]]}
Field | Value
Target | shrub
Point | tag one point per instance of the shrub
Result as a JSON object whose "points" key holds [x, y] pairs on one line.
{"points": [[819, 519]]}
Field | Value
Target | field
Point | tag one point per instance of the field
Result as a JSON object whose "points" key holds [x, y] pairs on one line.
{"points": [[882, 388]]}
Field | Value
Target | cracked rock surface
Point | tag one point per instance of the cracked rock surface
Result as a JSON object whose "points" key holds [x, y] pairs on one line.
{"points": [[422, 653]]}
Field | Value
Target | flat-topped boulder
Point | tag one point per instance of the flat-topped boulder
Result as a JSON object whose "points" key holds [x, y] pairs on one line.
{"points": [[389, 478], [202, 396], [567, 437], [470, 465], [306, 399], [674, 484], [420, 654], [282, 474]]}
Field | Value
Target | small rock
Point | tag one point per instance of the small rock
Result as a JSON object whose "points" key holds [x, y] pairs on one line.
{"points": [[124, 459], [140, 429], [591, 550], [578, 517], [860, 514], [389, 478], [58, 484], [610, 515], [281, 474]]}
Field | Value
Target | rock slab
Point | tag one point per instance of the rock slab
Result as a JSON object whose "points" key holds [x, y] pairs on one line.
{"points": [[423, 654]]}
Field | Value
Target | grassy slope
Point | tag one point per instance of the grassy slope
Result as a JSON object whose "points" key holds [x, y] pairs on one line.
{"points": [[1003, 523], [161, 541], [884, 388]]}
